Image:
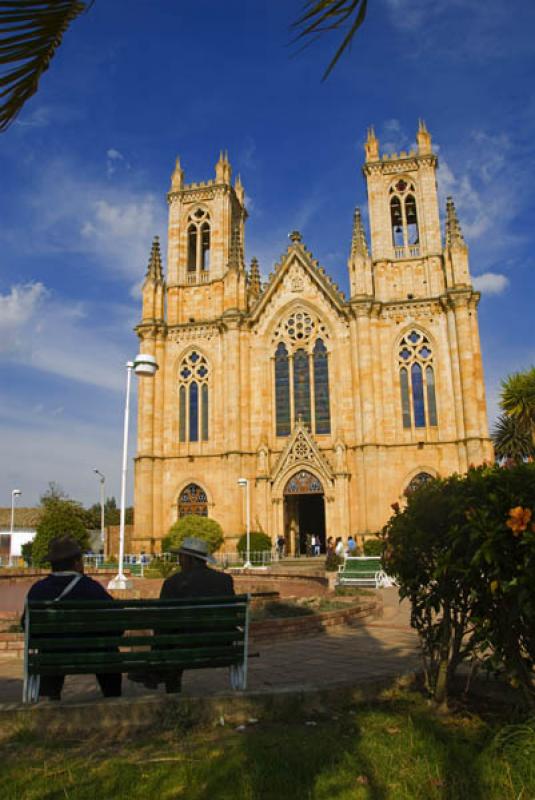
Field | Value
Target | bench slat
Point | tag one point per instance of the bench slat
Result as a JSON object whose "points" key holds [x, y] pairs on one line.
{"points": [[89, 660], [83, 605], [90, 642]]}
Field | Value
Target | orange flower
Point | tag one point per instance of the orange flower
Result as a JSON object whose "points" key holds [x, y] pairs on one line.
{"points": [[519, 519]]}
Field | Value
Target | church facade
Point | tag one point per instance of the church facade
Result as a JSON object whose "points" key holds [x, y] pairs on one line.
{"points": [[331, 407]]}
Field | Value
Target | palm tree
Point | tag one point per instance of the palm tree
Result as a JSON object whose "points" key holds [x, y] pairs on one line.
{"points": [[31, 32], [518, 399], [321, 16], [512, 439]]}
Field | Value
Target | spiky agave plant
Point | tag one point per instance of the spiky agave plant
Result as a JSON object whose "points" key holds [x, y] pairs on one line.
{"points": [[30, 33]]}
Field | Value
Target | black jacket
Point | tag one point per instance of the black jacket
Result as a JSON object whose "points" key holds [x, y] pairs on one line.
{"points": [[199, 582], [50, 587]]}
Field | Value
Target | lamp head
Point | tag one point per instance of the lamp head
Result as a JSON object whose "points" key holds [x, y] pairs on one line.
{"points": [[145, 364], [16, 493], [242, 481]]}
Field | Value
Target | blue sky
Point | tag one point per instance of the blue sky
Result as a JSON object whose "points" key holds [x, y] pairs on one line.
{"points": [[86, 167]]}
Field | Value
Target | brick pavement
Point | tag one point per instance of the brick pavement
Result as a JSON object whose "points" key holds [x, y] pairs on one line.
{"points": [[344, 655]]}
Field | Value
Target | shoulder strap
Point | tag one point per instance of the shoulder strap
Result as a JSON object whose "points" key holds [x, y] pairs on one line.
{"points": [[68, 589]]}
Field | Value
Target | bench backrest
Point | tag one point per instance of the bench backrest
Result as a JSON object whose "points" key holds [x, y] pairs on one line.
{"points": [[361, 565], [72, 637]]}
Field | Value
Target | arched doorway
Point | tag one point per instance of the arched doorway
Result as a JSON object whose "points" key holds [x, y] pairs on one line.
{"points": [[304, 512]]}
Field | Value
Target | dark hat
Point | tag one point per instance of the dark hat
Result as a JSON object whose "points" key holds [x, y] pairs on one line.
{"points": [[198, 548], [62, 549]]}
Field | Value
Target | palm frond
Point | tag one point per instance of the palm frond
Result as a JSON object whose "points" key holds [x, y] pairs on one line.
{"points": [[30, 33], [512, 439], [320, 16]]}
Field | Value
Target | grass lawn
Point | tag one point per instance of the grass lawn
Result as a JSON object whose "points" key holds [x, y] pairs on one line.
{"points": [[395, 748]]}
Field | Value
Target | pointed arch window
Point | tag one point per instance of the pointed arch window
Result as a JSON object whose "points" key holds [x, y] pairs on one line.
{"points": [[404, 219], [192, 500], [301, 362], [193, 398], [199, 244], [321, 388], [417, 381], [419, 480]]}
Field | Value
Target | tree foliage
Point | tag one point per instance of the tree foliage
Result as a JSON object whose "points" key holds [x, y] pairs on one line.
{"points": [[259, 542], [463, 551], [203, 528], [512, 439], [60, 518], [373, 547], [518, 398]]}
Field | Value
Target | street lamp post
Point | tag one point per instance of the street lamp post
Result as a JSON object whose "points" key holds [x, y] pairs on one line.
{"points": [[15, 493], [244, 482], [102, 480], [143, 364]]}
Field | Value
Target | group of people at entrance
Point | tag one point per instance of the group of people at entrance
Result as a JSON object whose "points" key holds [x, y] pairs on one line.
{"points": [[338, 548], [67, 581]]}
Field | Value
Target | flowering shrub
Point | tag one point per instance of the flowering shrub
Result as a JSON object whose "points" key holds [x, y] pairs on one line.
{"points": [[463, 551]]}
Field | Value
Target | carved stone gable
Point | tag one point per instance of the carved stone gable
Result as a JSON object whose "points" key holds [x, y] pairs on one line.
{"points": [[301, 451]]}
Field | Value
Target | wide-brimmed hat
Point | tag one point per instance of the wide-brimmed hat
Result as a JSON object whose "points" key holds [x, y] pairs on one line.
{"points": [[191, 546], [63, 548]]}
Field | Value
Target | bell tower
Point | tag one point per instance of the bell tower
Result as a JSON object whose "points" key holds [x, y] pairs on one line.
{"points": [[206, 269], [406, 245]]}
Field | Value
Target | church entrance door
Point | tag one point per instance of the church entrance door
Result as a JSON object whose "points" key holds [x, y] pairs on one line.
{"points": [[304, 513]]}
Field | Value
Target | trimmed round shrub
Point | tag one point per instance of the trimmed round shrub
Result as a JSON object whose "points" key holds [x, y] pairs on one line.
{"points": [[203, 528], [332, 562], [259, 542], [60, 518], [373, 547]]}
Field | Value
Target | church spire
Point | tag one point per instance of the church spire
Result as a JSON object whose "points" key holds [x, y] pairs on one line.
{"points": [[454, 234], [254, 278], [423, 138], [223, 170], [177, 178], [359, 245], [371, 146], [154, 269]]}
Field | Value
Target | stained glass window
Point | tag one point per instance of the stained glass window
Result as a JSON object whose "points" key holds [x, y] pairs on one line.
{"points": [[301, 386], [405, 400], [204, 406], [192, 500], [193, 398], [418, 480], [431, 399], [282, 391], [417, 381], [303, 482], [321, 388], [418, 396], [193, 412], [182, 414]]}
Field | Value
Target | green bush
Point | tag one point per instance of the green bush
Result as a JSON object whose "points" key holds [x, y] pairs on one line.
{"points": [[463, 551], [159, 568], [333, 561], [259, 543], [203, 528], [26, 552], [373, 547], [59, 518]]}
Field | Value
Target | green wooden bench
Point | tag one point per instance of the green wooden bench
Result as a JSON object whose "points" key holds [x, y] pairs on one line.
{"points": [[81, 637], [363, 571]]}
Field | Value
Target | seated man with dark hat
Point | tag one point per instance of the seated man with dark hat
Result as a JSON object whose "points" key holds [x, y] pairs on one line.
{"points": [[67, 581], [195, 579]]}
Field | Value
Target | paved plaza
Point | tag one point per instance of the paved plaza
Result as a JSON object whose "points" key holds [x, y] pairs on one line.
{"points": [[345, 655]]}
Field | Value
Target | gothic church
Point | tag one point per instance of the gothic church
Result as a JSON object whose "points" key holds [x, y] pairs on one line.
{"points": [[331, 407]]}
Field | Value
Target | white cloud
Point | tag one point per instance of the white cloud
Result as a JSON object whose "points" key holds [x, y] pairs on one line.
{"points": [[37, 329], [491, 283], [114, 158], [112, 225]]}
